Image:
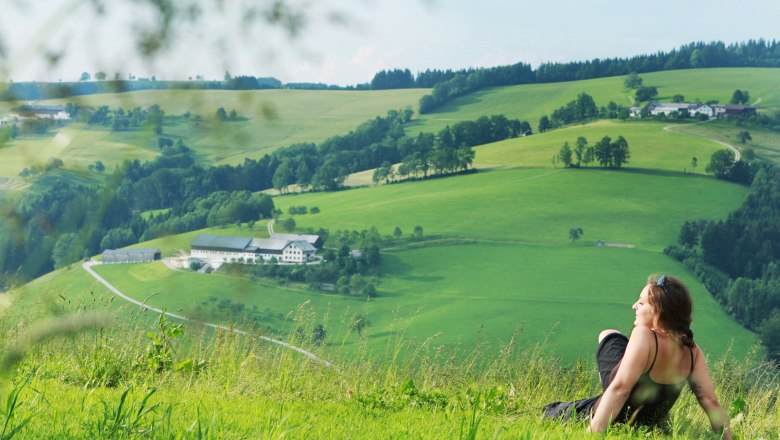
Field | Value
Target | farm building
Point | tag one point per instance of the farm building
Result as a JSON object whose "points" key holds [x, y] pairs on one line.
{"points": [[286, 248], [55, 112], [711, 111], [114, 256]]}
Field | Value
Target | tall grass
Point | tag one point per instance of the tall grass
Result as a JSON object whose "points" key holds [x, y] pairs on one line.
{"points": [[99, 383]]}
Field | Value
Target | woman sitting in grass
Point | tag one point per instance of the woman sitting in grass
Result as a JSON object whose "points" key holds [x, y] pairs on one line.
{"points": [[643, 376]]}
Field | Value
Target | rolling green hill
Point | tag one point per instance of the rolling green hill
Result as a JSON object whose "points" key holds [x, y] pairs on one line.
{"points": [[500, 260], [531, 102], [502, 263]]}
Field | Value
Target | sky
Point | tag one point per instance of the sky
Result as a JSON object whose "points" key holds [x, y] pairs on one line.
{"points": [[345, 42]]}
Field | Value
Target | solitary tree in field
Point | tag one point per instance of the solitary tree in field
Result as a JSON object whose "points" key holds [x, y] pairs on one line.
{"points": [[397, 232], [288, 224], [575, 234], [632, 81], [418, 231], [744, 137], [646, 93], [359, 323], [694, 163], [721, 163], [740, 97]]}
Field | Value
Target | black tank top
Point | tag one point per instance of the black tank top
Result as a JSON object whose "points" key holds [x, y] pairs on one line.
{"points": [[649, 402]]}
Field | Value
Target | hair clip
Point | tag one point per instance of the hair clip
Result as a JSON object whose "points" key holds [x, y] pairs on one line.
{"points": [[661, 280]]}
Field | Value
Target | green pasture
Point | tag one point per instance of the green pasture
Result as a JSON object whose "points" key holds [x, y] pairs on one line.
{"points": [[517, 271], [718, 84], [640, 207], [268, 119], [453, 295], [765, 143], [651, 147], [531, 101]]}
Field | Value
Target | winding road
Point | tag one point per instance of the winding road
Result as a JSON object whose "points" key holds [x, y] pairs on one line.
{"points": [[670, 128], [88, 267]]}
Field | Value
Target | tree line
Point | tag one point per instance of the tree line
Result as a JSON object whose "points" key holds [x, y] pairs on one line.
{"points": [[606, 152], [738, 259], [449, 151], [581, 109]]}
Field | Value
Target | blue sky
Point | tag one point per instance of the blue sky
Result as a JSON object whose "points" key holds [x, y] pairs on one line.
{"points": [[414, 34]]}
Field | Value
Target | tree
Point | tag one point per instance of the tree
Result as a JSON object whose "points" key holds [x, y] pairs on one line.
{"points": [[283, 176], [721, 163], [318, 334], [678, 98], [222, 114], [740, 97], [68, 249], [603, 151], [99, 167], [620, 152], [632, 81], [84, 76], [418, 231], [580, 147], [770, 335], [694, 163], [744, 136], [383, 172], [397, 232], [575, 234], [359, 323], [288, 224], [544, 124], [565, 154], [646, 93], [689, 234]]}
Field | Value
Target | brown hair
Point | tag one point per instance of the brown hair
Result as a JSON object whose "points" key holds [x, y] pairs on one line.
{"points": [[673, 306]]}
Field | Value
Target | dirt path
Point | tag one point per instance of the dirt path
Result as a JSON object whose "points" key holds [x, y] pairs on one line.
{"points": [[88, 267], [671, 129]]}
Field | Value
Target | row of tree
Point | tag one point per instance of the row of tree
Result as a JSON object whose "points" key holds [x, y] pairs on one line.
{"points": [[606, 152], [580, 109], [738, 259]]}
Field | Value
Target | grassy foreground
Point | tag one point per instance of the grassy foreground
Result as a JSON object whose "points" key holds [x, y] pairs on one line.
{"points": [[118, 382]]}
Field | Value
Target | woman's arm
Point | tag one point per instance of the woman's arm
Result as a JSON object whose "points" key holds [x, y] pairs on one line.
{"points": [[635, 362], [702, 388]]}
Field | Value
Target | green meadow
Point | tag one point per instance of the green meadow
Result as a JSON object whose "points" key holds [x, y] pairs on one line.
{"points": [[498, 261]]}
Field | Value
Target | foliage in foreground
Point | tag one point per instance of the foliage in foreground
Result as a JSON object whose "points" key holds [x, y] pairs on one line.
{"points": [[154, 379]]}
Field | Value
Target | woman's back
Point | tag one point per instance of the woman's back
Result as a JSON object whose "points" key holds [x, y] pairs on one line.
{"points": [[656, 390], [673, 361]]}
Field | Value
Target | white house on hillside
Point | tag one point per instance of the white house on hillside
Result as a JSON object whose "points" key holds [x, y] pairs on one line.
{"points": [[217, 250]]}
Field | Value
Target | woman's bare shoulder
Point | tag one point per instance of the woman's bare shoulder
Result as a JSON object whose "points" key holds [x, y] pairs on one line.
{"points": [[641, 333]]}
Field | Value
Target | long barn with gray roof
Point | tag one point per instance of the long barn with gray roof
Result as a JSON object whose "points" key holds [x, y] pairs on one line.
{"points": [[285, 248]]}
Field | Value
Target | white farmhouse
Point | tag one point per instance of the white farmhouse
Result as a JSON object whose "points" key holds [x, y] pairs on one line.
{"points": [[702, 109], [217, 249]]}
